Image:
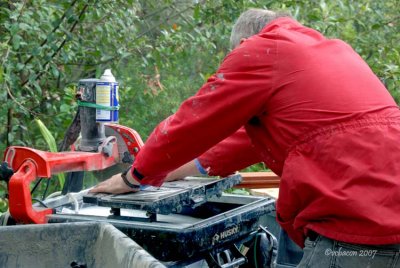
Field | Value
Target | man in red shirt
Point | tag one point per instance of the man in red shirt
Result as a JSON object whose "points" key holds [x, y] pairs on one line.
{"points": [[312, 110]]}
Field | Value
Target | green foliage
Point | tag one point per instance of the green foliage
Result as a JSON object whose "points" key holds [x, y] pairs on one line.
{"points": [[238, 191], [256, 167], [160, 51]]}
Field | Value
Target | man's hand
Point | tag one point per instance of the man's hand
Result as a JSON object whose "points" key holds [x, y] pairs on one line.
{"points": [[114, 185]]}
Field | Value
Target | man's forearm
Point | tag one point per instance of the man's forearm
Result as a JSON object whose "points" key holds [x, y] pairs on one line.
{"points": [[188, 169]]}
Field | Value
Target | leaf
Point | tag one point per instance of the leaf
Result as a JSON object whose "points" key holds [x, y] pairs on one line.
{"points": [[19, 66], [10, 137], [55, 71], [56, 22], [14, 29], [48, 137], [37, 87], [3, 204], [323, 7], [36, 51], [196, 12], [72, 18], [24, 26], [64, 108], [16, 40]]}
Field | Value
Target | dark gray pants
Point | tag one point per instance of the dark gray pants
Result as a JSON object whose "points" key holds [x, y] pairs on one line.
{"points": [[324, 252]]}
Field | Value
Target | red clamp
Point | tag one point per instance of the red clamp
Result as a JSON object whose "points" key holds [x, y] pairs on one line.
{"points": [[30, 164]]}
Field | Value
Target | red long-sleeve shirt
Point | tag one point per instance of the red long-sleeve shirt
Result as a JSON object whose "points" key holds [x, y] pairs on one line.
{"points": [[232, 154], [318, 117]]}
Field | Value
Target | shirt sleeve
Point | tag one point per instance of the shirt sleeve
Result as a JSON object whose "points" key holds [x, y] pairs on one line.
{"points": [[232, 154], [237, 92]]}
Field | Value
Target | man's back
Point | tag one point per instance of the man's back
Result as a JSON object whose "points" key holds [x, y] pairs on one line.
{"points": [[329, 129], [309, 81]]}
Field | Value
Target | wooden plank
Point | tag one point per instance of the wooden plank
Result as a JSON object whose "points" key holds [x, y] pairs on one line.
{"points": [[269, 192], [259, 180]]}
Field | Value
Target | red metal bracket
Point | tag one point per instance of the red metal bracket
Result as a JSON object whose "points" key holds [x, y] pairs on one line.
{"points": [[52, 163], [130, 137], [20, 196], [30, 164]]}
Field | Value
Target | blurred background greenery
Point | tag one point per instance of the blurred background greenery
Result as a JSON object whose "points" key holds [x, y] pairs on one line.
{"points": [[160, 51]]}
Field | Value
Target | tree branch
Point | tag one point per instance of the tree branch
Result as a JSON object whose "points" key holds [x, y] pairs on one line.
{"points": [[19, 16], [54, 29], [59, 47], [11, 96], [178, 13]]}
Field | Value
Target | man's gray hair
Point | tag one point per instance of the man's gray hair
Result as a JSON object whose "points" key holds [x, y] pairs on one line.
{"points": [[251, 22]]}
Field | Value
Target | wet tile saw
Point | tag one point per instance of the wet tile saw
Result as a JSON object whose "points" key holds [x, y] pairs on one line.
{"points": [[179, 222]]}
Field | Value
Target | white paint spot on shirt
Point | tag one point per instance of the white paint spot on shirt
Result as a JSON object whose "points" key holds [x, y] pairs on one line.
{"points": [[164, 129], [220, 76]]}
